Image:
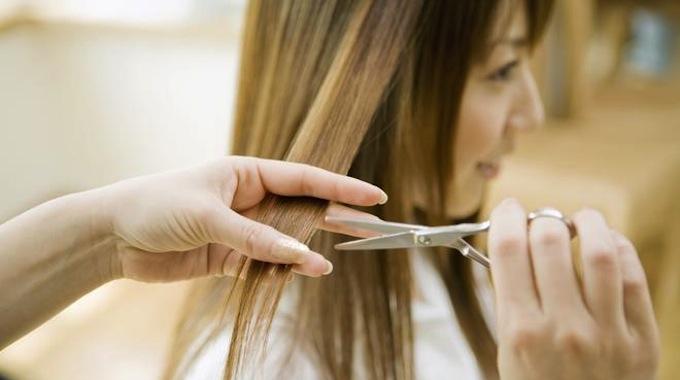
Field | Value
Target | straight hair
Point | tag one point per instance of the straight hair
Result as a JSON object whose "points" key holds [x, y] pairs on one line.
{"points": [[371, 88]]}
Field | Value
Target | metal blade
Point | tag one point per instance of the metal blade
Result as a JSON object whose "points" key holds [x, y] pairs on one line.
{"points": [[393, 241], [376, 225]]}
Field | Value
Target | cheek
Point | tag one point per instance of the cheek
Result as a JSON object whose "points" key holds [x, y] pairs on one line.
{"points": [[479, 132]]}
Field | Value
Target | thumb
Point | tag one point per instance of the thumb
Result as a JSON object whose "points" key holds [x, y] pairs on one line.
{"points": [[264, 243]]}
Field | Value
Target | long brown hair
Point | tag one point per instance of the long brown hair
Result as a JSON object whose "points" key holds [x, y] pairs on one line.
{"points": [[371, 88]]}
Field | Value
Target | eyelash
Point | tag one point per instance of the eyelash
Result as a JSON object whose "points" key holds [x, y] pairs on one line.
{"points": [[504, 73]]}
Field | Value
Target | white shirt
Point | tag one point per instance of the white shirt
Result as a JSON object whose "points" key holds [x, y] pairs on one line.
{"points": [[440, 347]]}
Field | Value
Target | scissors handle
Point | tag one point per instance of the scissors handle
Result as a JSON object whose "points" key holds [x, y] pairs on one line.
{"points": [[471, 252]]}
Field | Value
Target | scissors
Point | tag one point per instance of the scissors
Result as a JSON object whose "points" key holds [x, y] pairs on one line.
{"points": [[400, 235]]}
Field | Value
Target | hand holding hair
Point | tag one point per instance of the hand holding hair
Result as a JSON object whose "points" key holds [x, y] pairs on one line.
{"points": [[203, 224], [165, 227]]}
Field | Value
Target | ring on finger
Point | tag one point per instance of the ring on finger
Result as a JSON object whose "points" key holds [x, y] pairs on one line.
{"points": [[549, 212]]}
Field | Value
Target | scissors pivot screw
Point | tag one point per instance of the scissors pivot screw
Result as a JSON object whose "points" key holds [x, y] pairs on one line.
{"points": [[424, 240]]}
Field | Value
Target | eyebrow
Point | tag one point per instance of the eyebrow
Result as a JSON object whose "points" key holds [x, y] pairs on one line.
{"points": [[519, 42], [516, 42]]}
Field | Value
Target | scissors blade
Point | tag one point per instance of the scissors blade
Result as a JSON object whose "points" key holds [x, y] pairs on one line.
{"points": [[376, 225], [444, 235], [391, 241]]}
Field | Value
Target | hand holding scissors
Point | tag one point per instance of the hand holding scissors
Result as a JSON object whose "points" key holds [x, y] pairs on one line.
{"points": [[550, 323], [400, 235]]}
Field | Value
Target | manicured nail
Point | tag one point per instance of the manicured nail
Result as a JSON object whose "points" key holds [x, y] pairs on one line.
{"points": [[291, 251], [330, 268], [383, 198]]}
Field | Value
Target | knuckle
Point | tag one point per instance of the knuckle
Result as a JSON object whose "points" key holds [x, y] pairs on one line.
{"points": [[251, 233], [603, 258], [574, 341], [337, 191], [635, 286], [306, 180], [264, 247], [525, 334], [524, 338], [550, 237], [509, 245]]}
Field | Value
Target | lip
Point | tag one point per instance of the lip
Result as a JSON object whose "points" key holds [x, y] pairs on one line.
{"points": [[489, 170]]}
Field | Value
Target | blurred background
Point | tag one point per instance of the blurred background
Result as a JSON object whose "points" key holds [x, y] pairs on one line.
{"points": [[93, 91]]}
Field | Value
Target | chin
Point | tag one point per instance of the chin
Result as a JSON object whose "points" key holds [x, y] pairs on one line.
{"points": [[463, 211], [466, 201]]}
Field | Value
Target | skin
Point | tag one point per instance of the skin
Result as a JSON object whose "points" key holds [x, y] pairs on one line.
{"points": [[164, 227], [500, 99], [551, 324], [194, 222]]}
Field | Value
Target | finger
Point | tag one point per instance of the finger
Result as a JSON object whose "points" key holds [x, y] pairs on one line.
{"points": [[225, 261], [336, 210], [228, 261], [637, 302], [556, 280], [232, 263], [264, 243], [510, 262], [294, 179], [312, 269], [602, 287]]}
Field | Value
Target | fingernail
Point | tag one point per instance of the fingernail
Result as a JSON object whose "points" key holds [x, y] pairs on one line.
{"points": [[511, 202], [383, 198], [330, 268], [290, 277], [291, 251]]}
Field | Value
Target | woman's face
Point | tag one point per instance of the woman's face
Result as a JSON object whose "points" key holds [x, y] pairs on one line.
{"points": [[499, 100]]}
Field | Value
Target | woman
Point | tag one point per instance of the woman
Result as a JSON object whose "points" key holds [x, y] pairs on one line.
{"points": [[421, 98]]}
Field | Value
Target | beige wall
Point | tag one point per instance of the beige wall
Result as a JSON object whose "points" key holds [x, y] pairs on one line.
{"points": [[8, 8], [82, 106]]}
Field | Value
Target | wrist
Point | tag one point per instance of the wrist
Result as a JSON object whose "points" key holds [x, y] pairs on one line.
{"points": [[52, 255], [98, 241]]}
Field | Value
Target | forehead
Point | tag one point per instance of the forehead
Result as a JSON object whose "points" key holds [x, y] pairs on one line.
{"points": [[510, 21]]}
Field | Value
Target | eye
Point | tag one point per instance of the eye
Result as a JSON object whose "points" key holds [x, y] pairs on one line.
{"points": [[504, 73]]}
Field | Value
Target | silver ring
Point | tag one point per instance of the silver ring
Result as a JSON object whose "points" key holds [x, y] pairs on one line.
{"points": [[549, 212]]}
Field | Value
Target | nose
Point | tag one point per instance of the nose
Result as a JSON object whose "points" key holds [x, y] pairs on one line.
{"points": [[528, 113]]}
